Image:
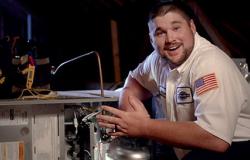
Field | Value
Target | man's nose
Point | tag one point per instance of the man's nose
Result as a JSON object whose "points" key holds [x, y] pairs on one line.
{"points": [[169, 37]]}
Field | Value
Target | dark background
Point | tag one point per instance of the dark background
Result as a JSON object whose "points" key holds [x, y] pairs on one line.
{"points": [[66, 29]]}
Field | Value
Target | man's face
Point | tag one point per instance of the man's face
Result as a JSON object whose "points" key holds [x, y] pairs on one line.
{"points": [[172, 36]]}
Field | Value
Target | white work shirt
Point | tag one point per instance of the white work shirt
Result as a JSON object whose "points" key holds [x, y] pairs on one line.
{"points": [[223, 110]]}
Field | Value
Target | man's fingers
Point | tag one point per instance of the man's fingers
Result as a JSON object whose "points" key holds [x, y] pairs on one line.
{"points": [[137, 104], [107, 119], [106, 125], [117, 134], [113, 110], [119, 128]]}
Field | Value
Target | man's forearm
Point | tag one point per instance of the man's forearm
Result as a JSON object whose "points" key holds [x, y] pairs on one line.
{"points": [[183, 135], [123, 100], [132, 88]]}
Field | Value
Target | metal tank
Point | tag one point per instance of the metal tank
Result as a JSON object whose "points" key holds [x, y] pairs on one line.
{"points": [[124, 148]]}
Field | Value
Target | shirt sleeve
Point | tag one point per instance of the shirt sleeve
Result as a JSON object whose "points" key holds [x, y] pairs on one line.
{"points": [[145, 73], [219, 94]]}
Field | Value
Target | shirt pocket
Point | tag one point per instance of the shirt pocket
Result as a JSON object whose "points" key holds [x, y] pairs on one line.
{"points": [[185, 112]]}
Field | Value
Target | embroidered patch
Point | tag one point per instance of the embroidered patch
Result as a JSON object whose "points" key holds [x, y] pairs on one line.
{"points": [[184, 95], [205, 83]]}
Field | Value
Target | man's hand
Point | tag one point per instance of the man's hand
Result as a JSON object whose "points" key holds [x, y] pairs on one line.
{"points": [[128, 123]]}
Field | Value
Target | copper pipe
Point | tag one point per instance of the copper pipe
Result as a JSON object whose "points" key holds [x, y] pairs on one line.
{"points": [[78, 57]]}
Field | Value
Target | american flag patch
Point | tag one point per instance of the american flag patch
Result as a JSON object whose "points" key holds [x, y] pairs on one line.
{"points": [[205, 83]]}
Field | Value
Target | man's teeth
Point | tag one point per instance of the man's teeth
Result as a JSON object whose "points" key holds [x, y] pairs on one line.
{"points": [[173, 48]]}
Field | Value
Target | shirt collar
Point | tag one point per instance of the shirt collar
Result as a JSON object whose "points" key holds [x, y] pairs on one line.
{"points": [[184, 65]]}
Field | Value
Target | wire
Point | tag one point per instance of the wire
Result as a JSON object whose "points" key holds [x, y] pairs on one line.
{"points": [[91, 115], [85, 150], [75, 123], [36, 94]]}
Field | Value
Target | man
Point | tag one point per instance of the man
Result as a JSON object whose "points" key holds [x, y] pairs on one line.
{"points": [[204, 96]]}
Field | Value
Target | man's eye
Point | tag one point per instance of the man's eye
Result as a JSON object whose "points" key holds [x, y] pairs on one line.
{"points": [[159, 34], [176, 28]]}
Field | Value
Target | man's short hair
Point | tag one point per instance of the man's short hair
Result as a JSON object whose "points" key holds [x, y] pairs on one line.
{"points": [[163, 7]]}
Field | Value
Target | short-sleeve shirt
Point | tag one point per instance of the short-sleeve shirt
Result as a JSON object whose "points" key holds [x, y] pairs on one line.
{"points": [[207, 88]]}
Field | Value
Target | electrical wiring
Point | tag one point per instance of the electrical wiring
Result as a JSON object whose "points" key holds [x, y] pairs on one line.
{"points": [[90, 116], [37, 94]]}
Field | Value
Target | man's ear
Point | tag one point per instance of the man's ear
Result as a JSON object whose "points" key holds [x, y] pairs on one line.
{"points": [[152, 41], [193, 27], [151, 34]]}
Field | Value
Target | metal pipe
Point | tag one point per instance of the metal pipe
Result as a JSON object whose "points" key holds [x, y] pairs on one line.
{"points": [[100, 73], [81, 56]]}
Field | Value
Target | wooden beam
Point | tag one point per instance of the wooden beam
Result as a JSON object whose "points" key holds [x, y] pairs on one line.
{"points": [[115, 51], [210, 29]]}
